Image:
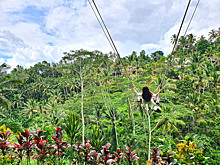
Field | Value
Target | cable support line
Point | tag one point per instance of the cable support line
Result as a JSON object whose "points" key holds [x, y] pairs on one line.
{"points": [[177, 37], [174, 46], [117, 53], [104, 31], [101, 26], [191, 18]]}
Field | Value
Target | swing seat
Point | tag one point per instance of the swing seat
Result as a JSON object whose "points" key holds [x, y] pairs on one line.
{"points": [[139, 97]]}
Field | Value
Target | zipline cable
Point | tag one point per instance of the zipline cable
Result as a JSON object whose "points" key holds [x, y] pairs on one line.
{"points": [[177, 37], [117, 53], [191, 18], [101, 26], [160, 85]]}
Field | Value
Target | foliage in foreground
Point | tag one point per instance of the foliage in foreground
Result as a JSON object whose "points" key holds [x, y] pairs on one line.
{"points": [[30, 146]]}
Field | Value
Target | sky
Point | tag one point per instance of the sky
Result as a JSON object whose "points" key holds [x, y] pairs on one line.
{"points": [[32, 31]]}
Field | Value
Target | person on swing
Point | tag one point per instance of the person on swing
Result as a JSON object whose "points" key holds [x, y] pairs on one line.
{"points": [[150, 99]]}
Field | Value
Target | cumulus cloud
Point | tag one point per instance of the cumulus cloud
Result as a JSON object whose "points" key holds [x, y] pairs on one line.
{"points": [[29, 56], [2, 61], [36, 30], [9, 41]]}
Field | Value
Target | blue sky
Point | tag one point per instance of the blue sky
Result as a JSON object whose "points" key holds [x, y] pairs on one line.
{"points": [[30, 14], [37, 30]]}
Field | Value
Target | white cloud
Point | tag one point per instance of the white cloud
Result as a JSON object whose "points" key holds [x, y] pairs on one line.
{"points": [[64, 25], [2, 61], [29, 56], [9, 41], [30, 33]]}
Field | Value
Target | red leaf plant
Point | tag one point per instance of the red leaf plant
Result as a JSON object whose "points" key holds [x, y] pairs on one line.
{"points": [[85, 152], [42, 149], [41, 145], [105, 157], [85, 149], [169, 158], [25, 144], [130, 156], [94, 155], [77, 147], [59, 145], [156, 159], [4, 143], [118, 155]]}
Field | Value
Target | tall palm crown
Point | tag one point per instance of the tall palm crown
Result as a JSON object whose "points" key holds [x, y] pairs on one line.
{"points": [[5, 85], [213, 35]]}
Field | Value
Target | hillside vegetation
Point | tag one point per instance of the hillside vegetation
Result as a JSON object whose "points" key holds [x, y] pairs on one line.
{"points": [[88, 109]]}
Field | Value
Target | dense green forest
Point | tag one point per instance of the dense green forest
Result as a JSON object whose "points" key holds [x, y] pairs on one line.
{"points": [[83, 110]]}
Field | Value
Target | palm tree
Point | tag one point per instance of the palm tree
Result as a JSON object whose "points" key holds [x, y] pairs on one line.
{"points": [[55, 94], [18, 100], [197, 59], [42, 108], [194, 101], [31, 107], [97, 115], [169, 122], [218, 31], [190, 40], [182, 43], [173, 39], [213, 35], [216, 79], [200, 80], [54, 114], [5, 83], [202, 38], [214, 107]]}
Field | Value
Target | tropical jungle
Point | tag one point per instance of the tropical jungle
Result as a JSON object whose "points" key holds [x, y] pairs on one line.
{"points": [[83, 109]]}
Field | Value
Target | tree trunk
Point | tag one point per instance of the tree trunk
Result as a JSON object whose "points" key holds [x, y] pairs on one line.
{"points": [[129, 108], [169, 141], [67, 91], [193, 120], [145, 134], [82, 114], [133, 121], [149, 128], [116, 136]]}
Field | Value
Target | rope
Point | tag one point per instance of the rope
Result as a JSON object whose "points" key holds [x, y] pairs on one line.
{"points": [[191, 18], [101, 26], [113, 44], [181, 26], [174, 45]]}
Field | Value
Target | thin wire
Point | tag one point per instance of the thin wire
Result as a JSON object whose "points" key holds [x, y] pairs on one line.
{"points": [[101, 26], [181, 26], [174, 45], [191, 18], [117, 53]]}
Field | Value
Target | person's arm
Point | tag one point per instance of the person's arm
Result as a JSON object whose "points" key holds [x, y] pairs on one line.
{"points": [[159, 92], [135, 90]]}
